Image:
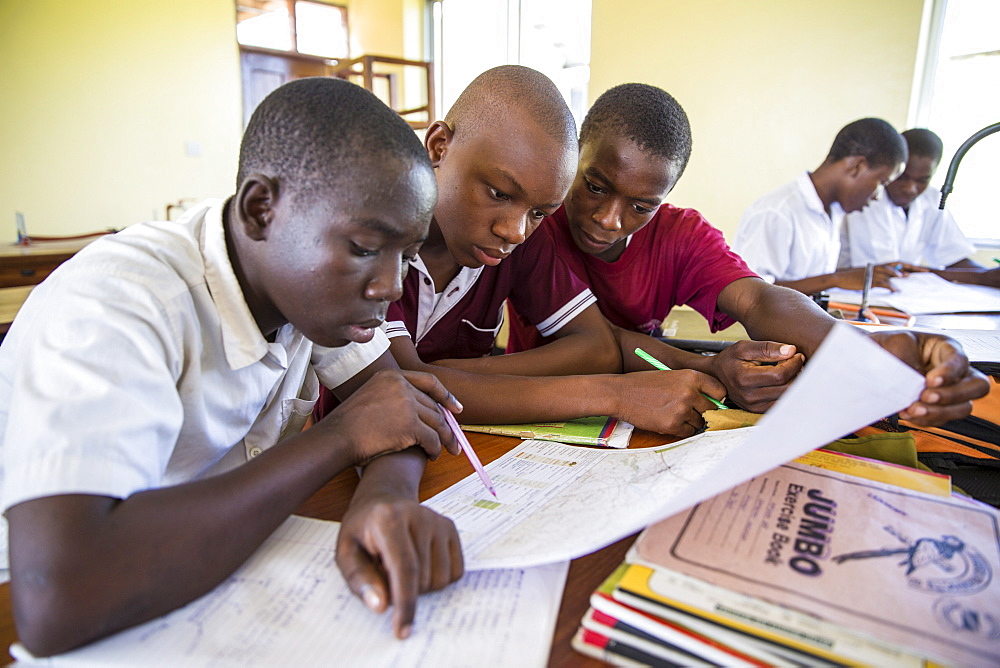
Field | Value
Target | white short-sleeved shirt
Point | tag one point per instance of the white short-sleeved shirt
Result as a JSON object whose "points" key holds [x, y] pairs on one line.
{"points": [[787, 235], [137, 364], [925, 234]]}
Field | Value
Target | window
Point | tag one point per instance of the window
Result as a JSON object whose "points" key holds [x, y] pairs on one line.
{"points": [[281, 40], [551, 36], [297, 26], [957, 95]]}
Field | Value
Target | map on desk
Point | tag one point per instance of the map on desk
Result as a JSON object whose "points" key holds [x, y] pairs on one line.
{"points": [[556, 501]]}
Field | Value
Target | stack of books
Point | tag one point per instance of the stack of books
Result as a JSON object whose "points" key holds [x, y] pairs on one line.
{"points": [[810, 565]]}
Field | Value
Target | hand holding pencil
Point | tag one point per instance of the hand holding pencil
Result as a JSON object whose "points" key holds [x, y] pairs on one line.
{"points": [[467, 449], [663, 367]]}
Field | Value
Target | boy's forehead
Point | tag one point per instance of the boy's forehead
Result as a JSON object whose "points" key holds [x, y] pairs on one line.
{"points": [[511, 147], [611, 150], [386, 201], [920, 165]]}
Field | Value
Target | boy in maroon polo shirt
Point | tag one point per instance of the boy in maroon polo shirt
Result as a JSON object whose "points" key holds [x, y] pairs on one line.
{"points": [[504, 158], [641, 257]]}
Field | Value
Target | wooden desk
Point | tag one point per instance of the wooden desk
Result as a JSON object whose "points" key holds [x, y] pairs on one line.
{"points": [[10, 302], [23, 267], [29, 265], [585, 573]]}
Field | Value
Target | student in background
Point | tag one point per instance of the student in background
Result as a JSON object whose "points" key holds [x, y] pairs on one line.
{"points": [[791, 236], [504, 158], [906, 225], [153, 388], [641, 256]]}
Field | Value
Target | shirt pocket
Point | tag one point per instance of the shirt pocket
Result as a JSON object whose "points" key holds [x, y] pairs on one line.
{"points": [[477, 340], [295, 412]]}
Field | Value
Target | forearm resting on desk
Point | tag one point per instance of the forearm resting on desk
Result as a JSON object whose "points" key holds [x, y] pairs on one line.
{"points": [[85, 566], [664, 402], [583, 345]]}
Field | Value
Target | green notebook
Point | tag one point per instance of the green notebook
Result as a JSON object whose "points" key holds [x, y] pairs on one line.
{"points": [[607, 431]]}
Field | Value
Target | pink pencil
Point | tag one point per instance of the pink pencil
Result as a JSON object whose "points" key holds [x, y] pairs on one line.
{"points": [[467, 449]]}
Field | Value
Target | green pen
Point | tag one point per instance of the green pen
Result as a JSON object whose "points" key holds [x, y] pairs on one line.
{"points": [[997, 260], [663, 367]]}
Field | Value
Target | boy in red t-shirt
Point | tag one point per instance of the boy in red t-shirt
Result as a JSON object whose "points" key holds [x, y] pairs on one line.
{"points": [[504, 157], [641, 256]]}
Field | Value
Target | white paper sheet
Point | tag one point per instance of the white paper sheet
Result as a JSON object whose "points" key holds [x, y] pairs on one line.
{"points": [[980, 345], [558, 501], [927, 293], [289, 606]]}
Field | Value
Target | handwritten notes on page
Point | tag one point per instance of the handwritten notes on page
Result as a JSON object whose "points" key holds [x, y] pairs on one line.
{"points": [[561, 501], [289, 606]]}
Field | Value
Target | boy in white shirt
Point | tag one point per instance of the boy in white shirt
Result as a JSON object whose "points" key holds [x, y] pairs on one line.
{"points": [[906, 226], [791, 236], [154, 387]]}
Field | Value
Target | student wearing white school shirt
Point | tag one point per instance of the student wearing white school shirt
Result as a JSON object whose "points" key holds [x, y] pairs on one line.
{"points": [[791, 236], [907, 226], [154, 387]]}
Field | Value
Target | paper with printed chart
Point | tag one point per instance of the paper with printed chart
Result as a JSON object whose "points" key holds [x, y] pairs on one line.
{"points": [[556, 501], [288, 605]]}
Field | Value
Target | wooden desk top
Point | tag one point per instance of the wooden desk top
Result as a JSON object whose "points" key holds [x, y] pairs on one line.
{"points": [[10, 302], [44, 249], [585, 573]]}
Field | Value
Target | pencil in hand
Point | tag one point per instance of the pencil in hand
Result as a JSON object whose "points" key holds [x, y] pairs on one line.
{"points": [[467, 449], [663, 367]]}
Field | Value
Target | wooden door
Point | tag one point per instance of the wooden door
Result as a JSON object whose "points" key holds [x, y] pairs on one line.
{"points": [[264, 71]]}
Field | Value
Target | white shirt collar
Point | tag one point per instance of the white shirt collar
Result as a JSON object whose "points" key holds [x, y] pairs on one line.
{"points": [[242, 339], [814, 203]]}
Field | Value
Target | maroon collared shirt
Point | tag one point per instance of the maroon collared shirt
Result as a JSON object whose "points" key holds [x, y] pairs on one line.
{"points": [[463, 320]]}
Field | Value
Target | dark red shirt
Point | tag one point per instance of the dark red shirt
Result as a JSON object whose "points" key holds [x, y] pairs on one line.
{"points": [[677, 258], [462, 321]]}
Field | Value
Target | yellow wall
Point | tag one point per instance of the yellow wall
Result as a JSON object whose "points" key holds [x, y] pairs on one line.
{"points": [[767, 84], [376, 26], [100, 98], [99, 101]]}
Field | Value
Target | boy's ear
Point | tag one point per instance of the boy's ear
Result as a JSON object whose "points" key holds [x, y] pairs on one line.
{"points": [[254, 208], [855, 165], [436, 141]]}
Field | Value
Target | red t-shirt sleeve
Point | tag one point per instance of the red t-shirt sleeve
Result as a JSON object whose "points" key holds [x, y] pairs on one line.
{"points": [[705, 266]]}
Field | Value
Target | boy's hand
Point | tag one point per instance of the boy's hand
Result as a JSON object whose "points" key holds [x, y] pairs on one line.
{"points": [[391, 549], [951, 384], [667, 402], [394, 411], [756, 373], [854, 278]]}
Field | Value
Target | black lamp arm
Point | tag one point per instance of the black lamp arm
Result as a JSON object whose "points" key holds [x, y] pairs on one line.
{"points": [[949, 179]]}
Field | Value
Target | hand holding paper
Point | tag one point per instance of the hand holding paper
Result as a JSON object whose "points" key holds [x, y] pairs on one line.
{"points": [[950, 383], [565, 501]]}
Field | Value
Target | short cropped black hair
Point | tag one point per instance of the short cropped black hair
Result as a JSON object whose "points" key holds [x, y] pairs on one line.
{"points": [[647, 115], [871, 138], [924, 143], [314, 134], [499, 91]]}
